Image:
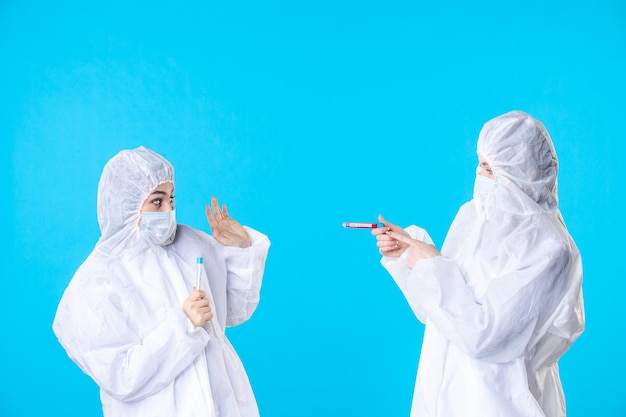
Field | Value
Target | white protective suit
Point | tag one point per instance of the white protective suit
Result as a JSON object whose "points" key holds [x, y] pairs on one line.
{"points": [[503, 302], [121, 318]]}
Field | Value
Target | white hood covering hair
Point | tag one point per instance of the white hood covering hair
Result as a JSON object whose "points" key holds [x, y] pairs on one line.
{"points": [[504, 301], [523, 159], [121, 318], [126, 182]]}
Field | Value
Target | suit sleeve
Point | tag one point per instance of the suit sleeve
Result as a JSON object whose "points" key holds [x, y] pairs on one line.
{"points": [[93, 329], [515, 312], [245, 267], [398, 269]]}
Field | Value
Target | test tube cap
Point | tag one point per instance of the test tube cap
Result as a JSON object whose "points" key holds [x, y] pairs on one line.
{"points": [[199, 260]]}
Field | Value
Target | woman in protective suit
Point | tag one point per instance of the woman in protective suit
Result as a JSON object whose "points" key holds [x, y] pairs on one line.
{"points": [[132, 317], [502, 302]]}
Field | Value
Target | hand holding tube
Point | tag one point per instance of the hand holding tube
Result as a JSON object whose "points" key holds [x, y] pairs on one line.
{"points": [[197, 308], [388, 245], [392, 241]]}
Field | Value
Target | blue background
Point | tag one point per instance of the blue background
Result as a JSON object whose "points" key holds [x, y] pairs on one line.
{"points": [[299, 116]]}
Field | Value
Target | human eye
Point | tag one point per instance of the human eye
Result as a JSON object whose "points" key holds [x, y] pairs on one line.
{"points": [[157, 202]]}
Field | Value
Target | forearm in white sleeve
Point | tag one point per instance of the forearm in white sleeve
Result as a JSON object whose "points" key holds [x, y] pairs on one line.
{"points": [[98, 338], [509, 320], [245, 267], [398, 269]]}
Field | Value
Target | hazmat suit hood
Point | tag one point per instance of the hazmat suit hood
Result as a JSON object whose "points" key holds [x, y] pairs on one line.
{"points": [[522, 157], [126, 182]]}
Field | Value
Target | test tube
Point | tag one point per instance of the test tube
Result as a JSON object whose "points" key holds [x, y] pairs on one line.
{"points": [[357, 225], [199, 261]]}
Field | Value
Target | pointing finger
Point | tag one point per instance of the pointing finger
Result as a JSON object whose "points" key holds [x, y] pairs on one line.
{"points": [[402, 238]]}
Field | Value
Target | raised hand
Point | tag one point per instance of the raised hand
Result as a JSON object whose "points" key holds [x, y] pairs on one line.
{"points": [[225, 229]]}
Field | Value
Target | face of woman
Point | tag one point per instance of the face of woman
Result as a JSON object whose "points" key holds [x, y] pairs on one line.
{"points": [[483, 168], [160, 199]]}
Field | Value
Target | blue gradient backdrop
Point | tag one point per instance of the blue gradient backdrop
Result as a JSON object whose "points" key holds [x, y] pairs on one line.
{"points": [[299, 116]]}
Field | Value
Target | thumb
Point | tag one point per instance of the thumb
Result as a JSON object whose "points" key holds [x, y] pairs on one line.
{"points": [[382, 220], [388, 224], [196, 294]]}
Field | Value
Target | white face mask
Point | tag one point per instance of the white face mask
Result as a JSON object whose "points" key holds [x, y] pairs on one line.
{"points": [[159, 227], [482, 188]]}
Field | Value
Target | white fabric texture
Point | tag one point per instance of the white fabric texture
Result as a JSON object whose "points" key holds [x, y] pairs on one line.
{"points": [[121, 318], [504, 301]]}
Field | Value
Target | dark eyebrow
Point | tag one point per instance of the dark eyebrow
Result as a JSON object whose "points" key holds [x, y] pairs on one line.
{"points": [[158, 193]]}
